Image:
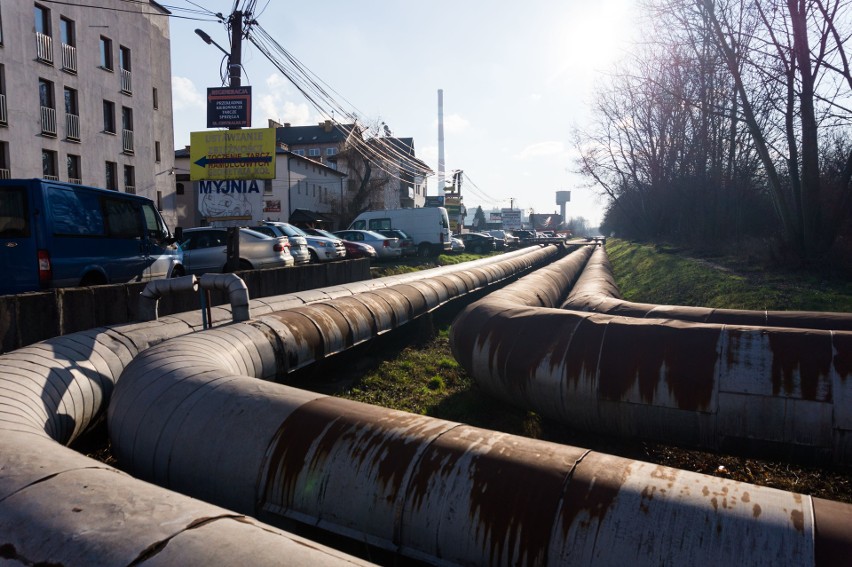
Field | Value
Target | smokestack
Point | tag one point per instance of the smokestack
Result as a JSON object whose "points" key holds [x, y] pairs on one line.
{"points": [[441, 143]]}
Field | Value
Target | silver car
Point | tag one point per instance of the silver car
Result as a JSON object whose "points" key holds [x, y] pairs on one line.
{"points": [[298, 243], [205, 250], [386, 247], [320, 248]]}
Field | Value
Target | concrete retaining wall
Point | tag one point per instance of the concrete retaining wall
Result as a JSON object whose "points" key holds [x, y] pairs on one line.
{"points": [[31, 317]]}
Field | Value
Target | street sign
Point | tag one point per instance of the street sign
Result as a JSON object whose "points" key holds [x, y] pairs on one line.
{"points": [[232, 154], [229, 107], [511, 219]]}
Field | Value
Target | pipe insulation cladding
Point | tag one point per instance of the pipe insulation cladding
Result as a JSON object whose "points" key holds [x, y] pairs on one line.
{"points": [[191, 415]]}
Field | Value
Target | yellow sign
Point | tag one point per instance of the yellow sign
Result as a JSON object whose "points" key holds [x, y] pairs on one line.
{"points": [[232, 154]]}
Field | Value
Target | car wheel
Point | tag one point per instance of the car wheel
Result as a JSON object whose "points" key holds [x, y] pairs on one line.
{"points": [[178, 272], [314, 257], [93, 278], [424, 250], [245, 265]]}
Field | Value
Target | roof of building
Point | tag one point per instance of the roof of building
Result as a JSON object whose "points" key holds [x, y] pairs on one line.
{"points": [[185, 153], [327, 132]]}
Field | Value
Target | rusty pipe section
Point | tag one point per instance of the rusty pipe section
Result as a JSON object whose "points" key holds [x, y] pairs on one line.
{"points": [[777, 390], [57, 506], [597, 291], [190, 414]]}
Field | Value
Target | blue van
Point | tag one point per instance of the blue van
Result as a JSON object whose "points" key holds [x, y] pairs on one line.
{"points": [[55, 234]]}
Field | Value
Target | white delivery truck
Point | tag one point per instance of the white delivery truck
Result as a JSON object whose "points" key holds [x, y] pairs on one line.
{"points": [[429, 227]]}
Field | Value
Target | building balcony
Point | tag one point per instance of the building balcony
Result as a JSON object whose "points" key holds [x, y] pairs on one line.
{"points": [[5, 174], [130, 189], [48, 121], [75, 180], [126, 82], [50, 177], [72, 127], [69, 58], [44, 48], [127, 141]]}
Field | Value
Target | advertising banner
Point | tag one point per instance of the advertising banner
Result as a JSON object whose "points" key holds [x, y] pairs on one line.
{"points": [[511, 219], [229, 107], [232, 154]]}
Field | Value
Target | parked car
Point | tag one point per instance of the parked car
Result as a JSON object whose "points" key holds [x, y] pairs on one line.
{"points": [[320, 248], [458, 245], [353, 249], [406, 243], [205, 250], [298, 243], [429, 227], [387, 248], [510, 239], [477, 243], [360, 250]]}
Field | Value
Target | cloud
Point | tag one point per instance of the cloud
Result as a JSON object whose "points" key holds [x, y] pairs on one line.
{"points": [[185, 95], [541, 149]]}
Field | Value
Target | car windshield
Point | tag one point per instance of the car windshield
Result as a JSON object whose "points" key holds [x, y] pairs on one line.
{"points": [[327, 234]]}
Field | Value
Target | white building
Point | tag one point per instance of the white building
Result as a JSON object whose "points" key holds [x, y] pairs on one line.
{"points": [[303, 189], [85, 95]]}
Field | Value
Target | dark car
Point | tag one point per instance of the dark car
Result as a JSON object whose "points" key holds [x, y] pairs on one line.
{"points": [[477, 243], [405, 240], [359, 250]]}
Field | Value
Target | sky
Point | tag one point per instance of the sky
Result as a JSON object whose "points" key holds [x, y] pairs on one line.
{"points": [[517, 79]]}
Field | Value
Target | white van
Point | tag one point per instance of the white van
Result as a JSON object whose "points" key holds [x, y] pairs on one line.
{"points": [[429, 227]]}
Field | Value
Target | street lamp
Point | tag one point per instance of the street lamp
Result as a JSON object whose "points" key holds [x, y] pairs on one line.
{"points": [[209, 41]]}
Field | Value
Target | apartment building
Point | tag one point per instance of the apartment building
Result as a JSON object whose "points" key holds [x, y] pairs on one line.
{"points": [[85, 95]]}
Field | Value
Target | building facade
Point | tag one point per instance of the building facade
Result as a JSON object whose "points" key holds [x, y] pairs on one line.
{"points": [[85, 95], [300, 184]]}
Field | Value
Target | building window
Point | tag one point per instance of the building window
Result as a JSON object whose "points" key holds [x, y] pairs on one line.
{"points": [[129, 179], [267, 187], [68, 37], [299, 152], [1, 30], [48, 108], [73, 164], [72, 115], [3, 116], [106, 53], [313, 152], [127, 129], [5, 172], [330, 151], [179, 189], [124, 69], [111, 174], [159, 200], [157, 152], [156, 98], [109, 117], [44, 43], [48, 165]]}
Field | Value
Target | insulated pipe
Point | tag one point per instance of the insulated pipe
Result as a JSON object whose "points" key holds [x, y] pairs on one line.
{"points": [[190, 415], [57, 506], [236, 289], [597, 291], [150, 296], [732, 387]]}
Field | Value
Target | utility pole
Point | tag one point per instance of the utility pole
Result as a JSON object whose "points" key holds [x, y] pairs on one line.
{"points": [[235, 80]]}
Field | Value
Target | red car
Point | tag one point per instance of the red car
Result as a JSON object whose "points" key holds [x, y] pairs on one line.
{"points": [[359, 250]]}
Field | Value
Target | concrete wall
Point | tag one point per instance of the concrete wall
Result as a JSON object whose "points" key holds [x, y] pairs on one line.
{"points": [[31, 317]]}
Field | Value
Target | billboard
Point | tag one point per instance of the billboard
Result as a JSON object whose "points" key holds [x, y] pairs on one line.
{"points": [[232, 154], [547, 221], [229, 200], [229, 107], [511, 219]]}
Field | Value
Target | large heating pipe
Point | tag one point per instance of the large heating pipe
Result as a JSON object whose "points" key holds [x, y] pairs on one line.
{"points": [[726, 387], [190, 414], [59, 507]]}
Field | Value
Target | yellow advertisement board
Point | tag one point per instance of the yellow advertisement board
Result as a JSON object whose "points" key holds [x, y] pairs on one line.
{"points": [[232, 154]]}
